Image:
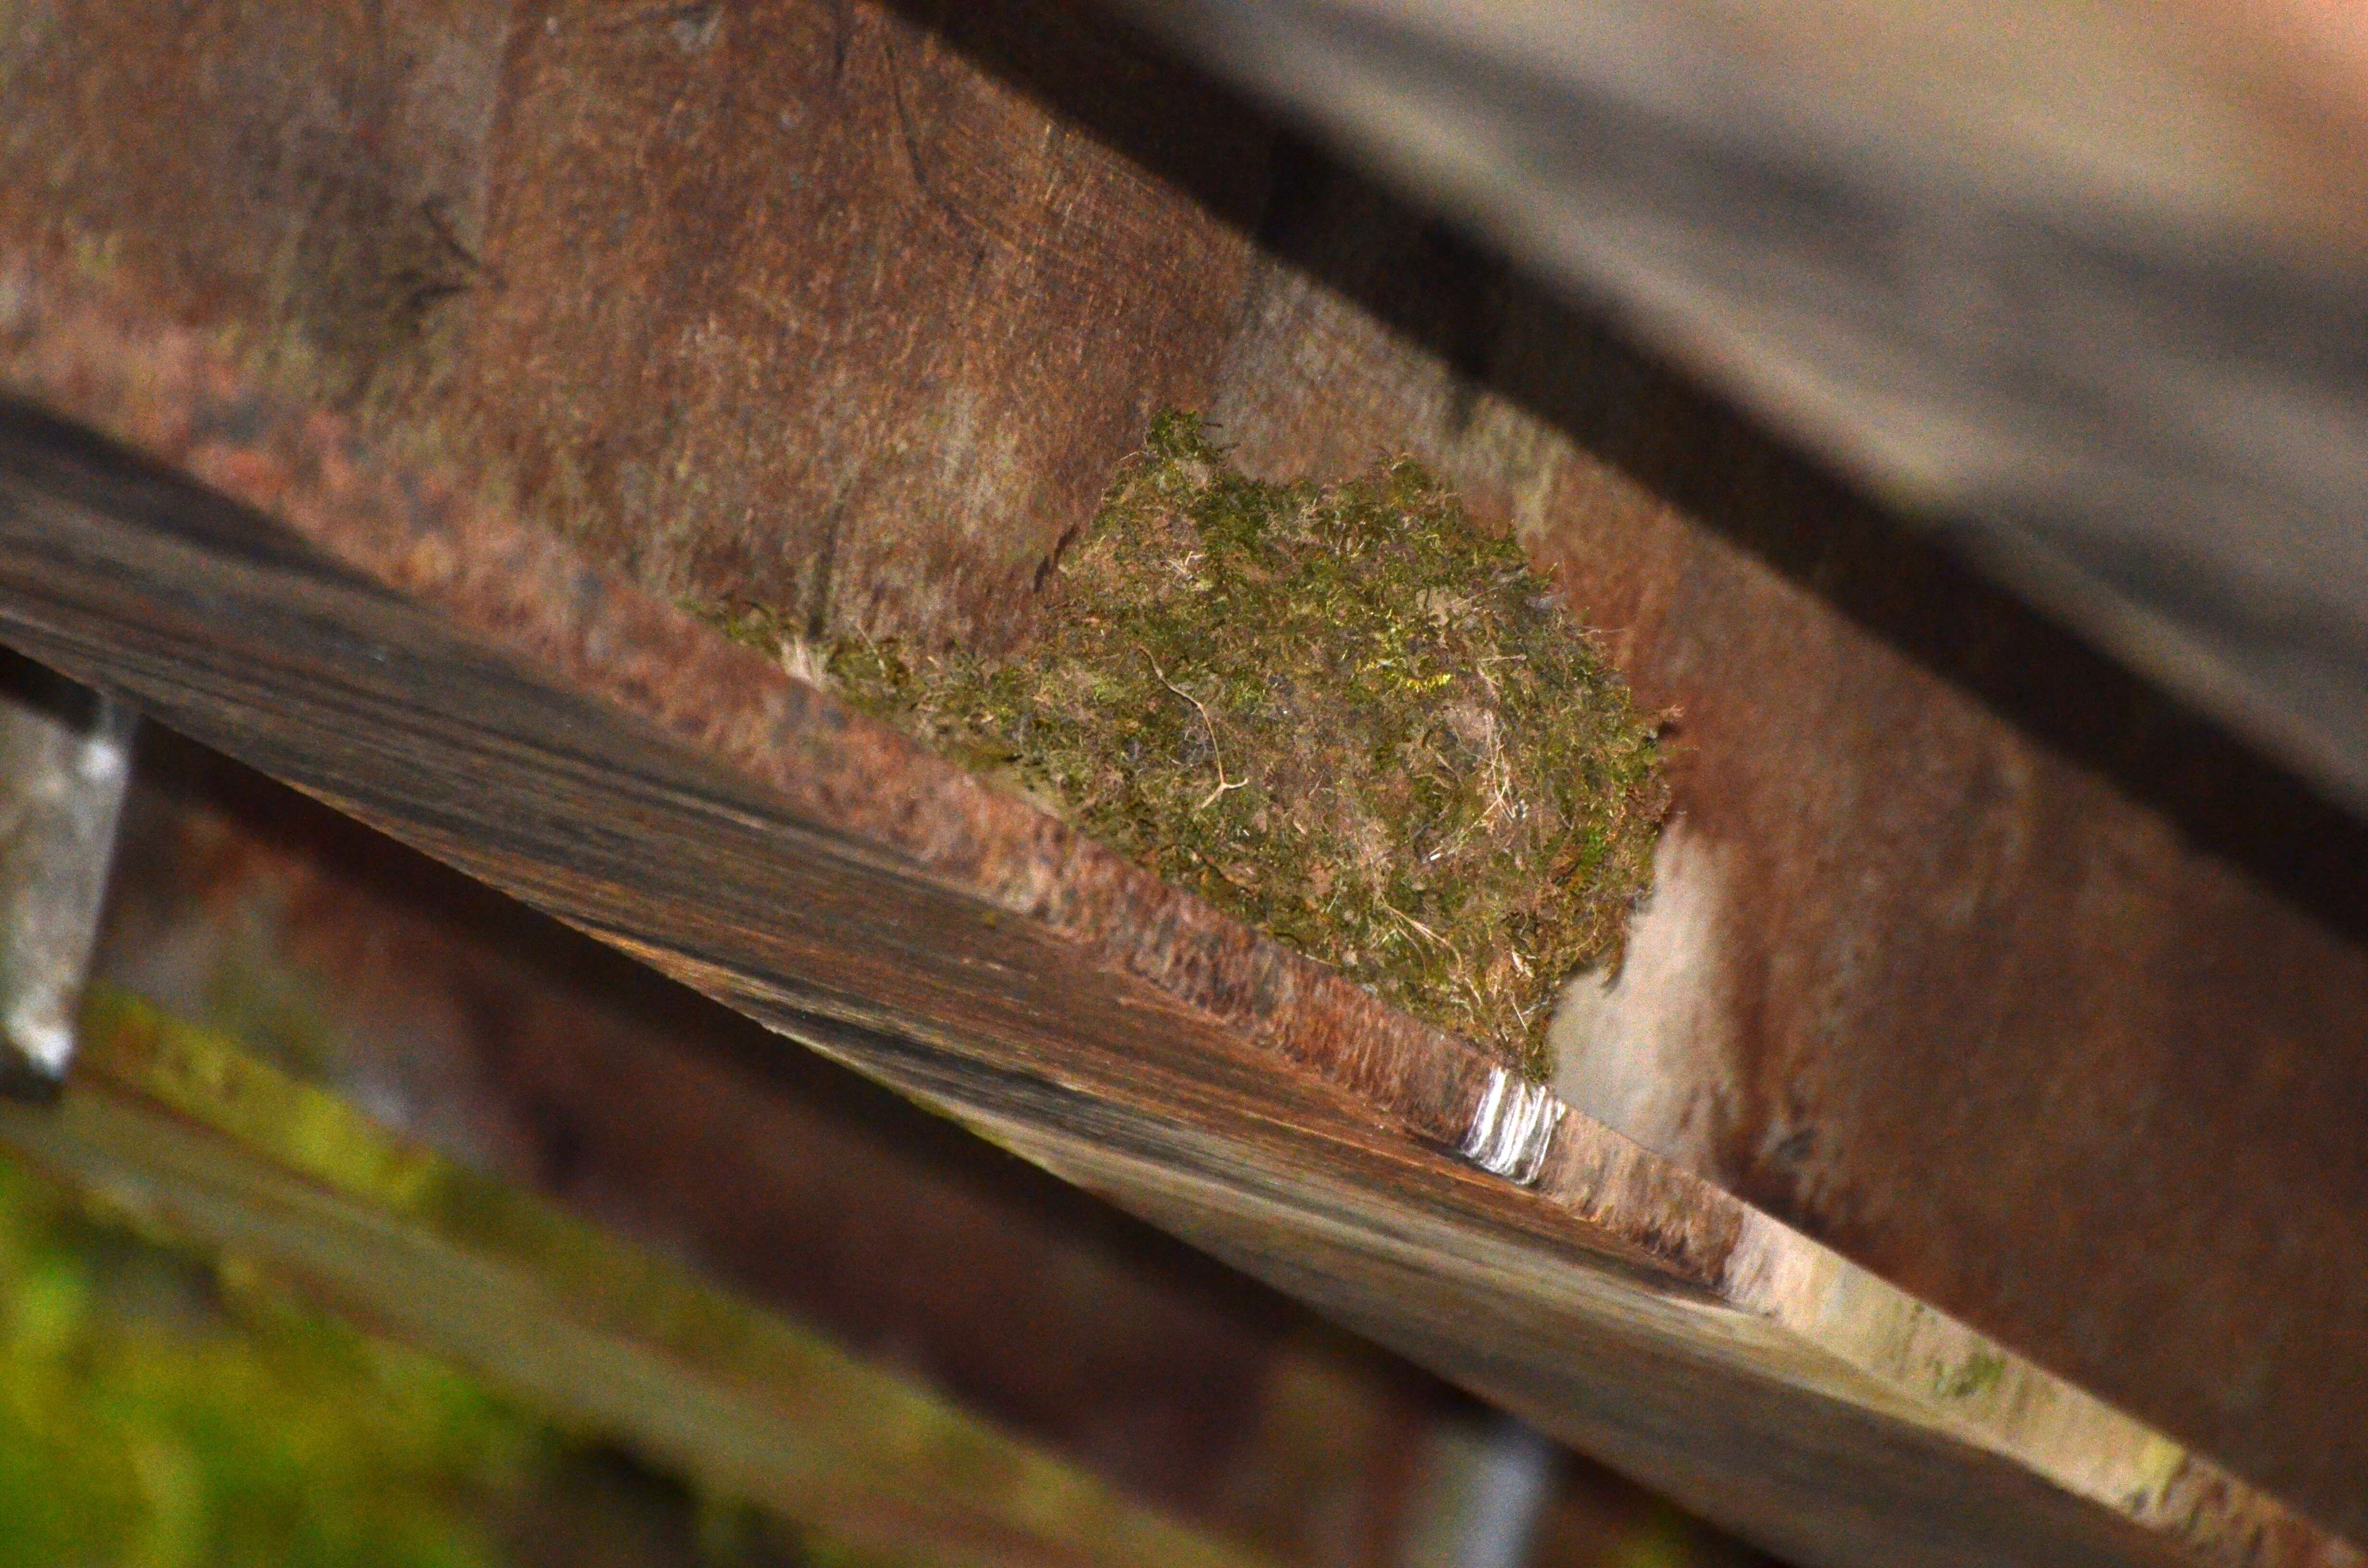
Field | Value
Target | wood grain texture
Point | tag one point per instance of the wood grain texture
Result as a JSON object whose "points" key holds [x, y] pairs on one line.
{"points": [[474, 688], [786, 302], [2023, 986], [813, 362]]}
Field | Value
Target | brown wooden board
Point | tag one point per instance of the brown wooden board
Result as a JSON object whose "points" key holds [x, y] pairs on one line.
{"points": [[413, 654], [1970, 954]]}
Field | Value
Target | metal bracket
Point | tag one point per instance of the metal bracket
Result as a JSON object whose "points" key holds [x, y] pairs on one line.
{"points": [[66, 757], [1513, 1128]]}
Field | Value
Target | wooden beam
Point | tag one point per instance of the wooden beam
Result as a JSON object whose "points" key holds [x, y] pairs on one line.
{"points": [[405, 650]]}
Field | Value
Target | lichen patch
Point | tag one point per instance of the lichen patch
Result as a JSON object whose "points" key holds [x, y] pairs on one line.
{"points": [[1342, 714]]}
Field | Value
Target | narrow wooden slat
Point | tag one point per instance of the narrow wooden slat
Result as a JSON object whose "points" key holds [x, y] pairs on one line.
{"points": [[176, 1125], [468, 686]]}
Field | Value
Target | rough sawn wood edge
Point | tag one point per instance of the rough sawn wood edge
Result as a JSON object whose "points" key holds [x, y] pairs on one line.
{"points": [[1753, 1302]]}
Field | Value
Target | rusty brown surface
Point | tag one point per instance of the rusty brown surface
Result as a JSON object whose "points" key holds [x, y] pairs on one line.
{"points": [[534, 1054], [812, 313], [717, 721], [1896, 835], [531, 1053]]}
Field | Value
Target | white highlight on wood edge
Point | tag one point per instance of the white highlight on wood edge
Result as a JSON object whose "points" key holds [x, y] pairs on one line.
{"points": [[1513, 1128]]}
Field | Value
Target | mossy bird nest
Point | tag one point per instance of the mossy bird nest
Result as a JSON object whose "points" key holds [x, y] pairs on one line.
{"points": [[1340, 714]]}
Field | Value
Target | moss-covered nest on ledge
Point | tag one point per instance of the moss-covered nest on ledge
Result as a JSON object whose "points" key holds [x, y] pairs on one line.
{"points": [[1342, 714]]}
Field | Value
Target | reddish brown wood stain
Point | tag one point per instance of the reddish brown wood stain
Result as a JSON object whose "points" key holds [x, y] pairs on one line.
{"points": [[2031, 991], [805, 364]]}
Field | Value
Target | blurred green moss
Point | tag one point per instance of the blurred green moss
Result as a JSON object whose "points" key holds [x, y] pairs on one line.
{"points": [[1342, 714], [156, 1412]]}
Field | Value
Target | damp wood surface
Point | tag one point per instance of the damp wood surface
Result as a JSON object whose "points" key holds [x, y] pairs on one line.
{"points": [[473, 687], [1975, 958]]}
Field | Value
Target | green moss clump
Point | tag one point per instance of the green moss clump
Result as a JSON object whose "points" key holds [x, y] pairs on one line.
{"points": [[1340, 714], [1981, 1371]]}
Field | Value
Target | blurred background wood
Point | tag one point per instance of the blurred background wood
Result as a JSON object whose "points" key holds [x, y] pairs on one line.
{"points": [[172, 1124], [2083, 282]]}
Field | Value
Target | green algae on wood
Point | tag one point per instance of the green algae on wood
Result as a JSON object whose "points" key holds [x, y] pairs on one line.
{"points": [[1342, 714], [175, 1127], [158, 1412]]}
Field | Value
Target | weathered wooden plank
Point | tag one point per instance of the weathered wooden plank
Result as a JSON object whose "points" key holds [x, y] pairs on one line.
{"points": [[474, 688], [178, 1125], [1971, 954], [813, 362]]}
